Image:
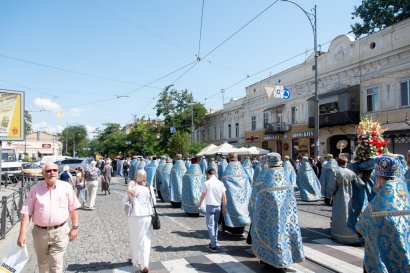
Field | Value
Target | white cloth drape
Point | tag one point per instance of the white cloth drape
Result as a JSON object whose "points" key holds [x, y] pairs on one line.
{"points": [[140, 233]]}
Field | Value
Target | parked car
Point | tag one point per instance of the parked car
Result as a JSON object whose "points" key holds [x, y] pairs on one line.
{"points": [[73, 164], [52, 158], [31, 169]]}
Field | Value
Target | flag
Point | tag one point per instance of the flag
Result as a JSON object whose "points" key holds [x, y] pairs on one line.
{"points": [[269, 91], [278, 92]]}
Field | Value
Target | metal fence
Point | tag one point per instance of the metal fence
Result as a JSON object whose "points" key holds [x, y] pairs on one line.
{"points": [[11, 205]]}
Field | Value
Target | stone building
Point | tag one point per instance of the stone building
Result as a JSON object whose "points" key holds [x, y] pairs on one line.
{"points": [[365, 77]]}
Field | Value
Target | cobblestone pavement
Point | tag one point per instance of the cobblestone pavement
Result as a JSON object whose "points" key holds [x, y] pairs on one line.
{"points": [[181, 243]]}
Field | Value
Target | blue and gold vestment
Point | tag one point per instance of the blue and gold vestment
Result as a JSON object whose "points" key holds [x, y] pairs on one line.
{"points": [[385, 225], [308, 184], [151, 169], [191, 189], [165, 182], [276, 236], [175, 187], [238, 193]]}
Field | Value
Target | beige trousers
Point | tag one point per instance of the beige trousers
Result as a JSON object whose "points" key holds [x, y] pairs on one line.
{"points": [[50, 246], [92, 187]]}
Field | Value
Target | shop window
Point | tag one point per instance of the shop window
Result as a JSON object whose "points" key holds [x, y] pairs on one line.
{"points": [[373, 99], [405, 93], [329, 108]]}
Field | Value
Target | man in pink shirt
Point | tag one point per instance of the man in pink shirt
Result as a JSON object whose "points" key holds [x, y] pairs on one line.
{"points": [[48, 205]]}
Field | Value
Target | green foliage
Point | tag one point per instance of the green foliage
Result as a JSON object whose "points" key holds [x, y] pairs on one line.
{"points": [[178, 144], [196, 146], [378, 14], [178, 109], [26, 159], [27, 122], [74, 136], [110, 140], [144, 138]]}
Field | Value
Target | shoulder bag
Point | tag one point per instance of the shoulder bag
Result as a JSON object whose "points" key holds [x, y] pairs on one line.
{"points": [[156, 224]]}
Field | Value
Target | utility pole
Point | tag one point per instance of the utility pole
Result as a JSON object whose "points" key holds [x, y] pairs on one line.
{"points": [[74, 146]]}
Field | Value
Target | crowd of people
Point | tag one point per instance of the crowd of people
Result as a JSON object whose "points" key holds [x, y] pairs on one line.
{"points": [[370, 204]]}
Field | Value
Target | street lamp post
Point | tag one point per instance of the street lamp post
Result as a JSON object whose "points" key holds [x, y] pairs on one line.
{"points": [[312, 19]]}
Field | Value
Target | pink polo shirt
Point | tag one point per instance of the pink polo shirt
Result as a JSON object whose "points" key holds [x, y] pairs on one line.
{"points": [[50, 206]]}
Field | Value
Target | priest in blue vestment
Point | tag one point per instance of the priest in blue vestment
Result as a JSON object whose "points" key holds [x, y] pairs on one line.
{"points": [[344, 217], [203, 164], [187, 162], [151, 169], [212, 165], [307, 182], [157, 179], [133, 168], [175, 187], [222, 167], [119, 167], [328, 173], [191, 189], [276, 235], [165, 180], [290, 173], [385, 223], [142, 164], [247, 166], [238, 193]]}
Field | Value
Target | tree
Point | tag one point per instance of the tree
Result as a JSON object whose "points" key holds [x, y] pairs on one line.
{"points": [[111, 140], [27, 122], [195, 147], [144, 138], [176, 107], [378, 14], [74, 137], [178, 144]]}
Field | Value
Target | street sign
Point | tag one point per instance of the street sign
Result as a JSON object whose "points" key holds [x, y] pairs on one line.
{"points": [[173, 130], [286, 93], [127, 142]]}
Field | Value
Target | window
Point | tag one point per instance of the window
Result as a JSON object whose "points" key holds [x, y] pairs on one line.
{"points": [[265, 119], [236, 129], [279, 116], [229, 131], [253, 123], [214, 132], [293, 114], [372, 99], [405, 93], [220, 132]]}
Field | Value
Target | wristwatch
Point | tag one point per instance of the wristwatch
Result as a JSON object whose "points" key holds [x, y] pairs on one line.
{"points": [[74, 227]]}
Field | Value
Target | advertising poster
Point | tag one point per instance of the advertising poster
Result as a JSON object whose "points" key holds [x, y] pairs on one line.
{"points": [[11, 115]]}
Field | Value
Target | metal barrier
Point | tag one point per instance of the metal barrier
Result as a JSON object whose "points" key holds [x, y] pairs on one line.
{"points": [[11, 205]]}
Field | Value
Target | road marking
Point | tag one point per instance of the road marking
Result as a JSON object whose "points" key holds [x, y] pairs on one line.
{"points": [[355, 251], [178, 266], [228, 263], [330, 261]]}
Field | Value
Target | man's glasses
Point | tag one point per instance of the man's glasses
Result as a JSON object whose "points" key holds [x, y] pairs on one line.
{"points": [[51, 170]]}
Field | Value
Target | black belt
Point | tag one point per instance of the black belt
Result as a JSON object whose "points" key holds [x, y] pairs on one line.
{"points": [[52, 227]]}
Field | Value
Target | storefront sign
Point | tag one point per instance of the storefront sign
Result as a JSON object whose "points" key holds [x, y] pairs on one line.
{"points": [[45, 145], [302, 134], [252, 138], [271, 137]]}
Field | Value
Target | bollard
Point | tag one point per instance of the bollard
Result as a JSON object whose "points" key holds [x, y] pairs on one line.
{"points": [[3, 216]]}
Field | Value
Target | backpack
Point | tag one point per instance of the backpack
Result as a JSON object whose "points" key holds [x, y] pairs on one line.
{"points": [[65, 176], [88, 176]]}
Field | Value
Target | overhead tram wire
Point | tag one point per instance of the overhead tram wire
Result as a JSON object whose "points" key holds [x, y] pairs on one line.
{"points": [[226, 40], [70, 71], [140, 27]]}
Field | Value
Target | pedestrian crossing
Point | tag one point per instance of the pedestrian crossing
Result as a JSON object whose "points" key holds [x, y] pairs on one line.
{"points": [[322, 255]]}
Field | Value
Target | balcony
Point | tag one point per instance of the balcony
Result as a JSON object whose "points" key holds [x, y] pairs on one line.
{"points": [[276, 128], [338, 118]]}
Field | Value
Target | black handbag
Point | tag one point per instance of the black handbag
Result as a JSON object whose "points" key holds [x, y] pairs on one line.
{"points": [[156, 223]]}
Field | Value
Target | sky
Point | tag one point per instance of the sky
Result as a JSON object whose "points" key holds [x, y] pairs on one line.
{"points": [[90, 62]]}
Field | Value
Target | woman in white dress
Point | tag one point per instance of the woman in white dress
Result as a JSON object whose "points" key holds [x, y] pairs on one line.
{"points": [[139, 222]]}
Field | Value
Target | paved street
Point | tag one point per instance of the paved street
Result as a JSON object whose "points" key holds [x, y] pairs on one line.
{"points": [[181, 243]]}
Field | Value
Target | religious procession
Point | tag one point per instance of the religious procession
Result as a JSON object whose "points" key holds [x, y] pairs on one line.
{"points": [[368, 193]]}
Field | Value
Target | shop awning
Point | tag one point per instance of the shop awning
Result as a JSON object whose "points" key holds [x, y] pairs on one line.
{"points": [[46, 151], [396, 126]]}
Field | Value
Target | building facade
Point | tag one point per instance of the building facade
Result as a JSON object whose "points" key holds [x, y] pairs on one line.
{"points": [[365, 77], [37, 145]]}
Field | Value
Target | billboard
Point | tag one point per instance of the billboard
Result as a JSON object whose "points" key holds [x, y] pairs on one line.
{"points": [[11, 115]]}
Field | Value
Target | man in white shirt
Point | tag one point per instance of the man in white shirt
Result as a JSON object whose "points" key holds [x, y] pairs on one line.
{"points": [[213, 191]]}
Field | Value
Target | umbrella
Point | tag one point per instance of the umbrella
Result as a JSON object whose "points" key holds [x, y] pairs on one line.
{"points": [[206, 149], [225, 148], [257, 151]]}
